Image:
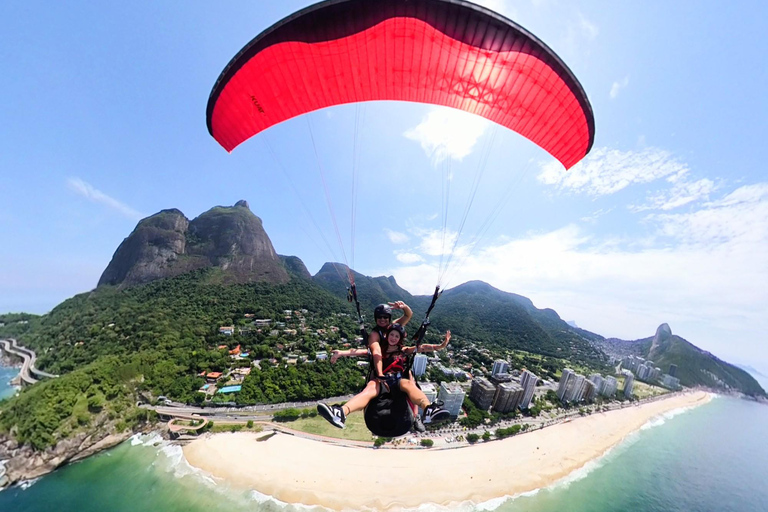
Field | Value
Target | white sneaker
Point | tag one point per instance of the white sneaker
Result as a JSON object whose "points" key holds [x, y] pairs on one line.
{"points": [[334, 414], [435, 412]]}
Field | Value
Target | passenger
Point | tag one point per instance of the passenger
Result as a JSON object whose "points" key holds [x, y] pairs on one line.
{"points": [[394, 365], [382, 315]]}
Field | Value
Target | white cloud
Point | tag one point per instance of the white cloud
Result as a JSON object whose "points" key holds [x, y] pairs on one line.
{"points": [[408, 258], [606, 171], [681, 194], [448, 133], [86, 190], [596, 215], [396, 237], [618, 86], [739, 218], [705, 273], [588, 28], [434, 242]]}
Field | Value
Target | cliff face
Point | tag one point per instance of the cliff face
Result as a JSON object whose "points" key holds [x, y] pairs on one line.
{"points": [[168, 244]]}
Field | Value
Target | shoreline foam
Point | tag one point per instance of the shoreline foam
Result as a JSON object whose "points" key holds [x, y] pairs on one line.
{"points": [[301, 471]]}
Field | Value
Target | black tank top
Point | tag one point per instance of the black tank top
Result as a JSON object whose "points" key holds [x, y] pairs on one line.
{"points": [[394, 362]]}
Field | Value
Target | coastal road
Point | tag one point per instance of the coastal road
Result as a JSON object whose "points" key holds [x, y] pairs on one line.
{"points": [[28, 358]]}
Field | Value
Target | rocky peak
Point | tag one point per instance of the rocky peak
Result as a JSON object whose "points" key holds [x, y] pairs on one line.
{"points": [[167, 244], [661, 340]]}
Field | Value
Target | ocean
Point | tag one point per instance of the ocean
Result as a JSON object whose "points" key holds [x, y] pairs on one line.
{"points": [[6, 374], [711, 458]]}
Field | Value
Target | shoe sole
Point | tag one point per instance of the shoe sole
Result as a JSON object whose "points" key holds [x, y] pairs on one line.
{"points": [[439, 416], [326, 412]]}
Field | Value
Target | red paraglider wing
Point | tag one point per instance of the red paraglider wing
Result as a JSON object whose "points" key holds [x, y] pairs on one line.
{"points": [[443, 52]]}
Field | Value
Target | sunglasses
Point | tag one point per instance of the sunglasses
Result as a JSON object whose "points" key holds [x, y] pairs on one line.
{"points": [[384, 317]]}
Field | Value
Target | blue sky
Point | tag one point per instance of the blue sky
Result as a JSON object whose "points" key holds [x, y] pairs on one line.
{"points": [[103, 109]]}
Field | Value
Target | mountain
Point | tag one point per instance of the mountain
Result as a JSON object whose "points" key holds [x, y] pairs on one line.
{"points": [[695, 367], [370, 290], [167, 244], [760, 377], [476, 311]]}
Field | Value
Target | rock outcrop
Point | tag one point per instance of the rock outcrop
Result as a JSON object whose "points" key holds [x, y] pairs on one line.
{"points": [[661, 340], [22, 462], [167, 244]]}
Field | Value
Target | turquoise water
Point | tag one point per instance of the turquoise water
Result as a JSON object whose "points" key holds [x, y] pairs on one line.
{"points": [[6, 374], [713, 458]]}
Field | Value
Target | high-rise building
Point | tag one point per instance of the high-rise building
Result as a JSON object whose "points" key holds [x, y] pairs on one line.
{"points": [[528, 381], [429, 390], [629, 382], [574, 392], [419, 364], [482, 393], [670, 381], [673, 370], [500, 377], [565, 378], [452, 395], [610, 386], [508, 396], [589, 390], [598, 381], [499, 366]]}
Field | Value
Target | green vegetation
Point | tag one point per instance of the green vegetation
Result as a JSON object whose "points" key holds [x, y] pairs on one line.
{"points": [[111, 347], [292, 414], [510, 431], [91, 397], [472, 438], [428, 443], [475, 417]]}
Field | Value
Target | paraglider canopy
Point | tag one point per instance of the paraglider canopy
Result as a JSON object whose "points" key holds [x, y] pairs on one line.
{"points": [[443, 52]]}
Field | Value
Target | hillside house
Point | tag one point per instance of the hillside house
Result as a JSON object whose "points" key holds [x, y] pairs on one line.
{"points": [[212, 376]]}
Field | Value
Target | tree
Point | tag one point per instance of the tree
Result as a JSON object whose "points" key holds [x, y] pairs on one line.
{"points": [[472, 438], [427, 443], [486, 436]]}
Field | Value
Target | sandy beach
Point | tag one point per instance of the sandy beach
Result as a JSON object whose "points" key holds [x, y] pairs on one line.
{"points": [[298, 470]]}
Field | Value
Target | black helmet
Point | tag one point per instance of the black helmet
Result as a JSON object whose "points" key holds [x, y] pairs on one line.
{"points": [[382, 311], [399, 328]]}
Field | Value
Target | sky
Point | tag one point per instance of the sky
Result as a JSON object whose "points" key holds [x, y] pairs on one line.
{"points": [[666, 220]]}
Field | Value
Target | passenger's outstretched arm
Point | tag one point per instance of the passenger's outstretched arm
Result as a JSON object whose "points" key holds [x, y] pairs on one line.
{"points": [[431, 348], [353, 352]]}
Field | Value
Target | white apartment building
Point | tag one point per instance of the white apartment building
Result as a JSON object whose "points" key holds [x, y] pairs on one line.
{"points": [[419, 364], [452, 395]]}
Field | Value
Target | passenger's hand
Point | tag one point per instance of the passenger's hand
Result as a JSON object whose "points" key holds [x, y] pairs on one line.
{"points": [[447, 338], [335, 355], [398, 304]]}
